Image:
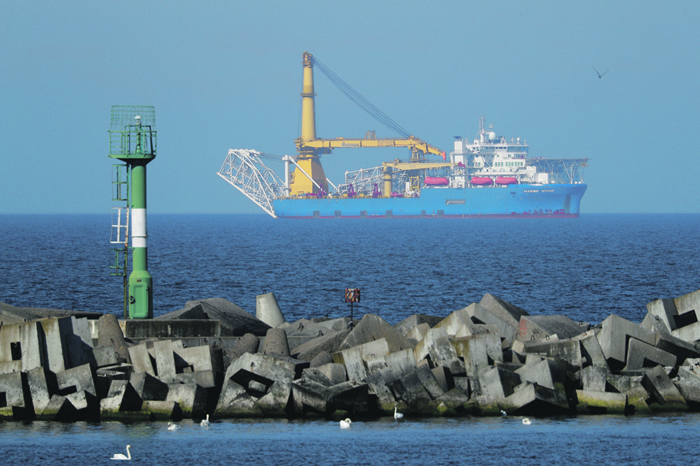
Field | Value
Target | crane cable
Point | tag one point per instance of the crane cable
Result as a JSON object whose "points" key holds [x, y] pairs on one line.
{"points": [[356, 97]]}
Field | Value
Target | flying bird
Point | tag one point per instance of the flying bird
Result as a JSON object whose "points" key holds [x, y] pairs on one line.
{"points": [[600, 75]]}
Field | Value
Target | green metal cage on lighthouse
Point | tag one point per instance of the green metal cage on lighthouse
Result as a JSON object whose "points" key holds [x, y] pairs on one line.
{"points": [[132, 139]]}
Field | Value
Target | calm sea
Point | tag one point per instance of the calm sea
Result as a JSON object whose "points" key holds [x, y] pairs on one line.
{"points": [[585, 268]]}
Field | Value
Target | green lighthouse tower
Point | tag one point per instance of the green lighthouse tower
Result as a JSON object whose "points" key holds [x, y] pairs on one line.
{"points": [[132, 138]]}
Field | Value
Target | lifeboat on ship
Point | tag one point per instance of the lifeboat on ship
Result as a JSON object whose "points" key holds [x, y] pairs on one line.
{"points": [[436, 181], [482, 181], [506, 180]]}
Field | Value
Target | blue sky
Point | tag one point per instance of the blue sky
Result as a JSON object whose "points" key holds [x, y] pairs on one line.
{"points": [[228, 75]]}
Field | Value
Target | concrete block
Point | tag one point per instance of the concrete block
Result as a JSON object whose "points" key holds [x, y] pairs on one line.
{"points": [[665, 394], [456, 320], [594, 378], [202, 358], [248, 343], [418, 332], [469, 330], [690, 393], [401, 362], [307, 328], [405, 326], [591, 352], [321, 359], [435, 344], [452, 402], [530, 399], [538, 327], [261, 368], [15, 400], [276, 342], [378, 386], [334, 372], [429, 382], [161, 410], [121, 397], [502, 309], [506, 328], [354, 358], [191, 397], [165, 362], [141, 359], [478, 352], [267, 310], [313, 375], [640, 354], [234, 401], [75, 380], [548, 373], [335, 325], [59, 409], [372, 328], [411, 391], [110, 334], [498, 383], [42, 384], [77, 341], [633, 388], [566, 350], [105, 356], [444, 377], [148, 387], [53, 333], [613, 338], [665, 311], [234, 320], [309, 397], [688, 302], [330, 342], [690, 332], [597, 402]]}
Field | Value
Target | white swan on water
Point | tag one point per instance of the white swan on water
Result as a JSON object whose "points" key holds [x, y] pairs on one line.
{"points": [[503, 413], [205, 422], [173, 426], [397, 414], [121, 456], [526, 421], [345, 424]]}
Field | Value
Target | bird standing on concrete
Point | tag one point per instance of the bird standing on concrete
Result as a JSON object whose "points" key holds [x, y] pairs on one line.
{"points": [[397, 414], [345, 424], [205, 422], [173, 426], [122, 456]]}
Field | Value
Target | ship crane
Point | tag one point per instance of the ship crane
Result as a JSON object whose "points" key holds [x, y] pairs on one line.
{"points": [[309, 177]]}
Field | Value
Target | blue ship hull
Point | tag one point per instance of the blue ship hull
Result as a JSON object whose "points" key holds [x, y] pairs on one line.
{"points": [[531, 201]]}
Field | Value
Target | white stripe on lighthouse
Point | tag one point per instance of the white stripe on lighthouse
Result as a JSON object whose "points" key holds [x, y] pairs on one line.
{"points": [[138, 228]]}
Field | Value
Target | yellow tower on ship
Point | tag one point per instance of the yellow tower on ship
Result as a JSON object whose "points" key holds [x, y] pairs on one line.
{"points": [[308, 158]]}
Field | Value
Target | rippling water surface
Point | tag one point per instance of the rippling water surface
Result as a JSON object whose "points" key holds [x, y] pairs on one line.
{"points": [[581, 440], [586, 268]]}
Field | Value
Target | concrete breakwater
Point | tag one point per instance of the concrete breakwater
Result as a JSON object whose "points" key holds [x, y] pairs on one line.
{"points": [[212, 357]]}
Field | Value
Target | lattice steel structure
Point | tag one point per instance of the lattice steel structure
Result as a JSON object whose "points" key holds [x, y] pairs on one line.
{"points": [[244, 170]]}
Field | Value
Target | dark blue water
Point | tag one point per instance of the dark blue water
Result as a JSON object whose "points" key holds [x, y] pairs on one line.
{"points": [[585, 268], [582, 440]]}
